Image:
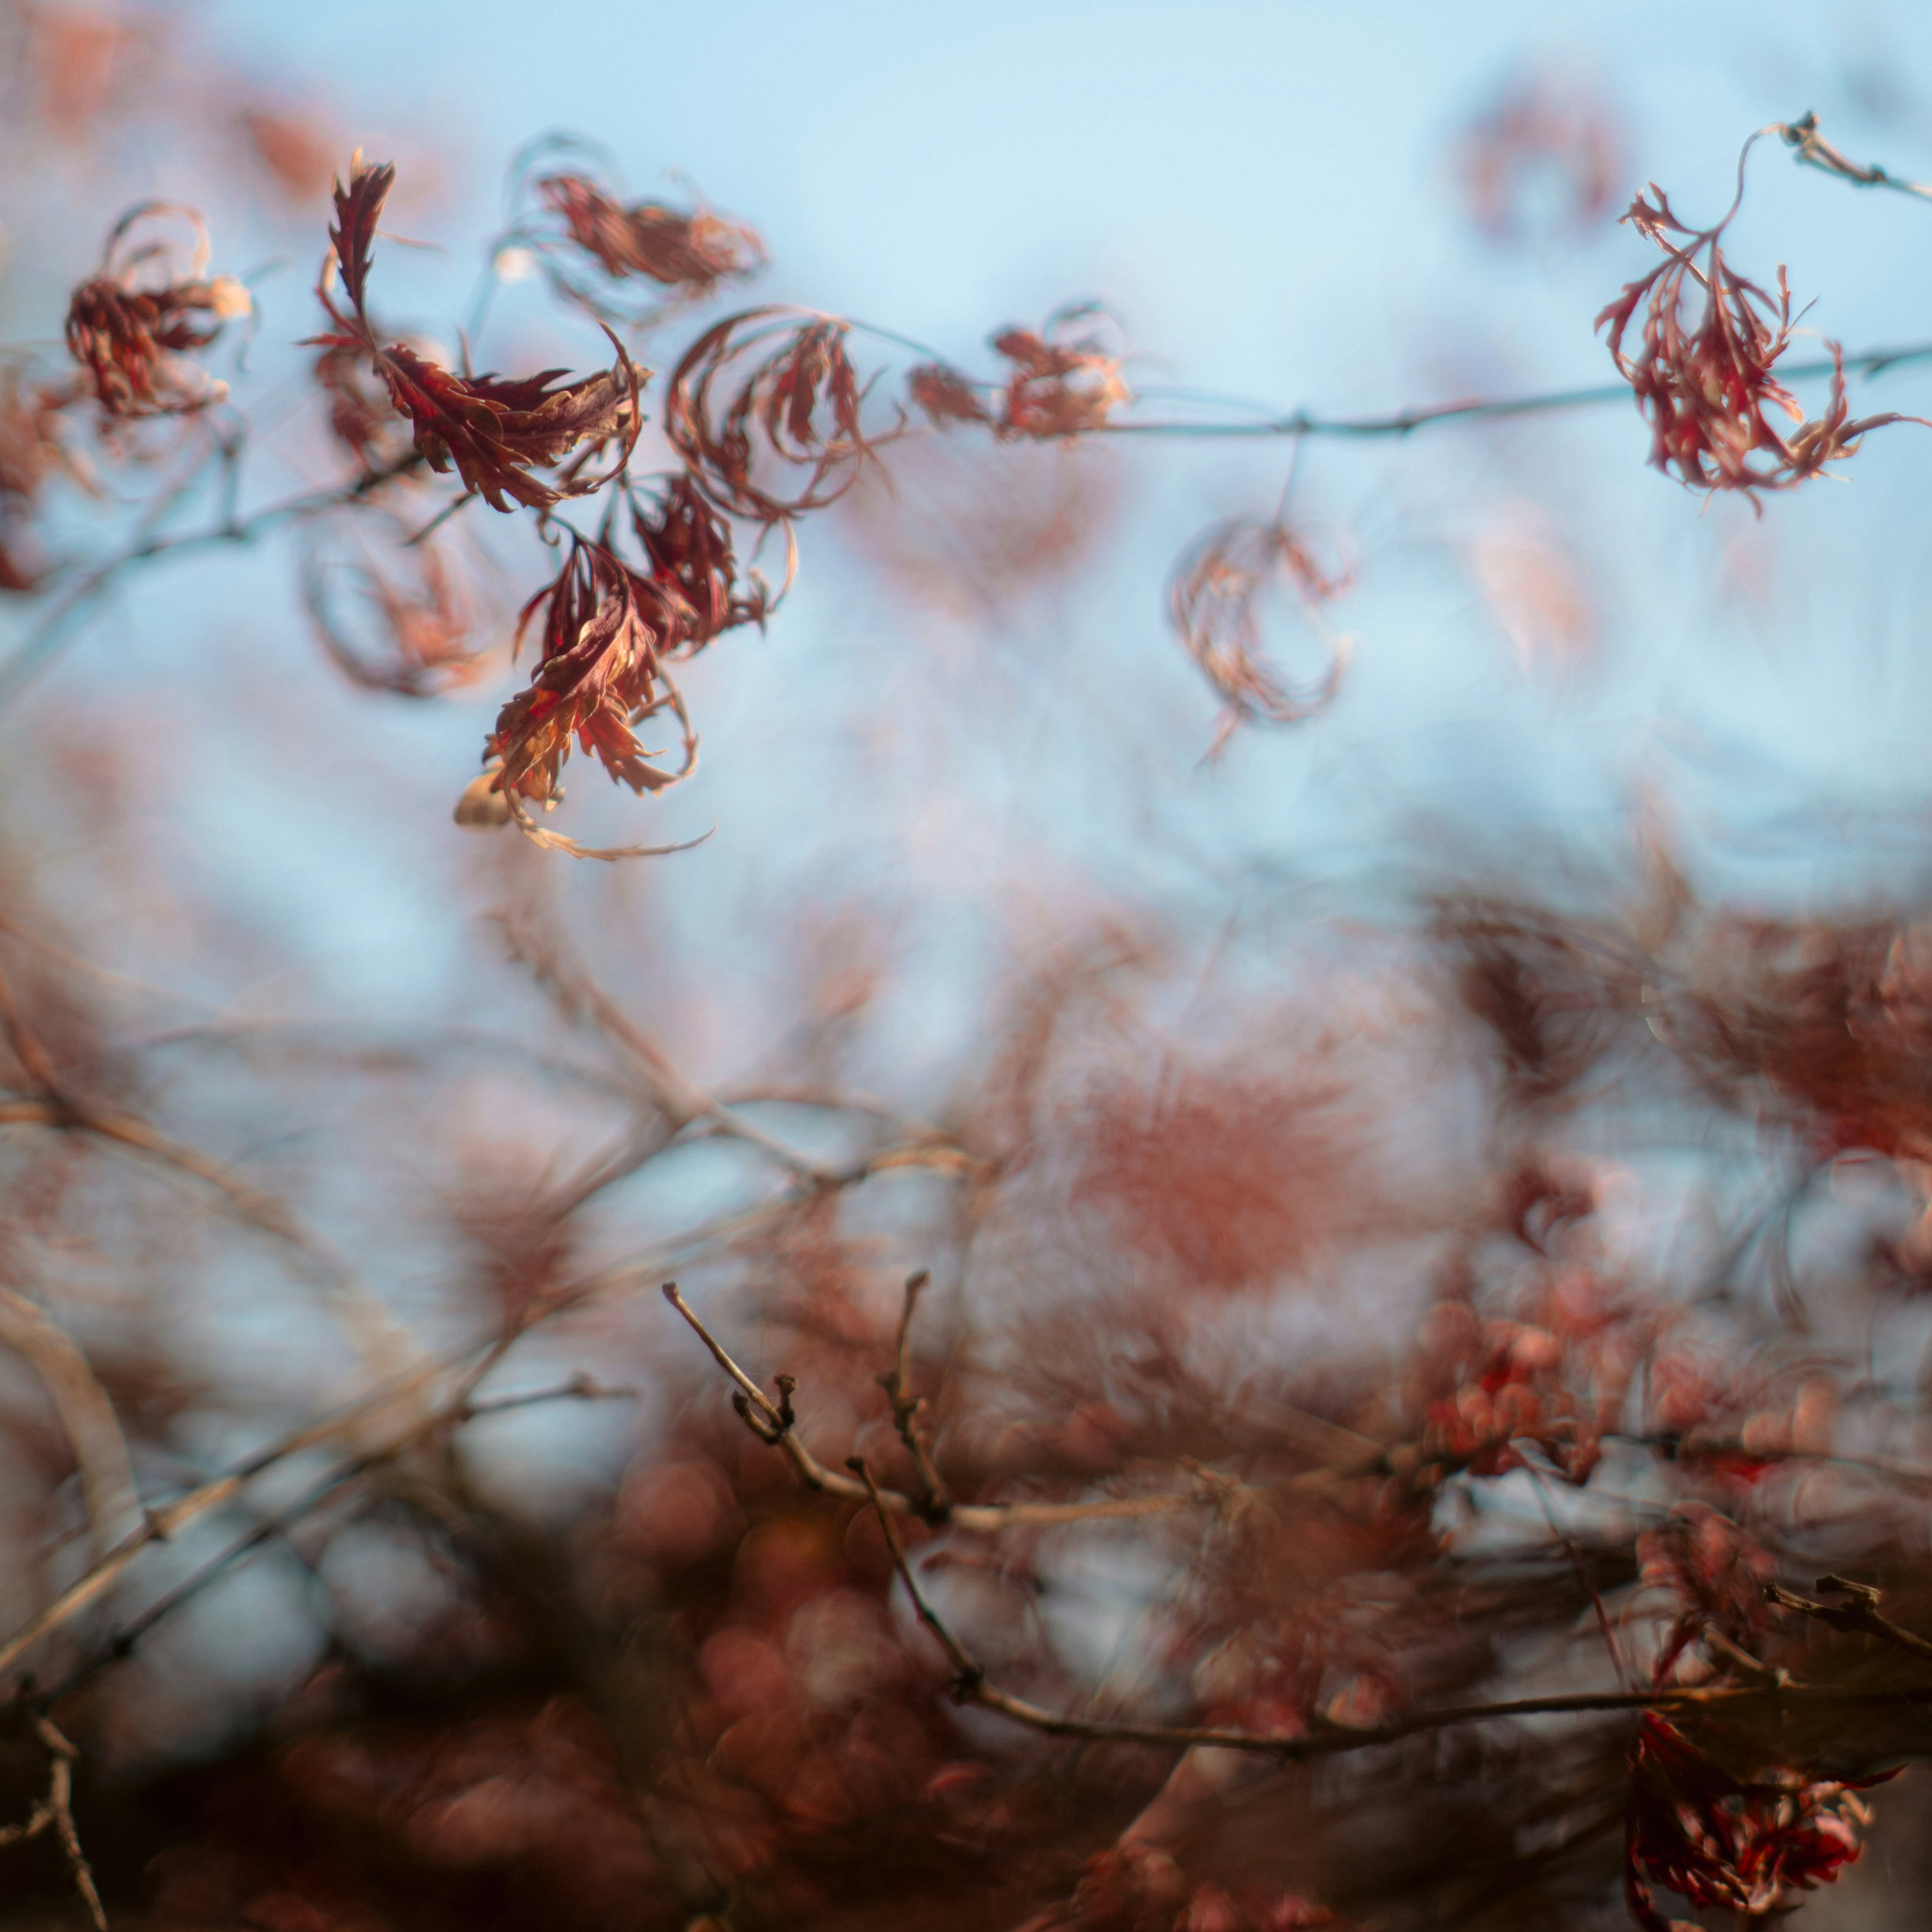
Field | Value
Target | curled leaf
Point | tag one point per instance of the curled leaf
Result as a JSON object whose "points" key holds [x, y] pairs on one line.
{"points": [[1061, 384], [607, 633], [1213, 605], [494, 431], [690, 549], [793, 409], [130, 324], [387, 633], [1740, 1845], [1704, 385], [688, 251]]}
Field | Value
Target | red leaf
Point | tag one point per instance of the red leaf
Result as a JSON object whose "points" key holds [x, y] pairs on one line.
{"points": [[358, 208]]}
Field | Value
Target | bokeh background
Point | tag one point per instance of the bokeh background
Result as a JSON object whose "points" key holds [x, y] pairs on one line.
{"points": [[969, 739]]}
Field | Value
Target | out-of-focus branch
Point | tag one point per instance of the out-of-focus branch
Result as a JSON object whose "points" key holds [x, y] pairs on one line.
{"points": [[51, 635], [970, 1686], [124, 1640], [384, 1342], [775, 1424], [394, 1413], [86, 1413], [681, 1100], [55, 1814]]}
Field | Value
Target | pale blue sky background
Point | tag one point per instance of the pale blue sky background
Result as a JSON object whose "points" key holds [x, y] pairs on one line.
{"points": [[1264, 193]]}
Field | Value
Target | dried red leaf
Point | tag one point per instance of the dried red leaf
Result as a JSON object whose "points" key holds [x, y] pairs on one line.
{"points": [[795, 386], [129, 325], [358, 208], [296, 153], [689, 546], [1714, 1573], [607, 634], [690, 251], [361, 416], [1061, 385], [494, 430], [945, 395], [1546, 130], [1213, 605], [1704, 388], [1721, 1841], [424, 632], [30, 451]]}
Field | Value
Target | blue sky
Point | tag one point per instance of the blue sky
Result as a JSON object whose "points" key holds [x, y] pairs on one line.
{"points": [[1264, 195]]}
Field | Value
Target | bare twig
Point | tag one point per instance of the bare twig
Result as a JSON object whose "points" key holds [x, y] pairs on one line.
{"points": [[1857, 1614], [1814, 151], [773, 1422], [55, 1814], [933, 1501]]}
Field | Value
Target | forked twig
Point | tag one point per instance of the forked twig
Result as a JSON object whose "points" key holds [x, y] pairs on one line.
{"points": [[1857, 1614], [55, 1814], [933, 1501], [775, 1424]]}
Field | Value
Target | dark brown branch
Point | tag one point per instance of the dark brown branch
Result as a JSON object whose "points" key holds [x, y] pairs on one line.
{"points": [[970, 1686], [1858, 1615], [55, 1814], [775, 1424], [934, 1502]]}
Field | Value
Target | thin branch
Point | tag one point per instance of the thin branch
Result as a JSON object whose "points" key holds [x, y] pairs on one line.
{"points": [[54, 630], [55, 1814], [775, 1424], [970, 1686], [1857, 1614], [1814, 151], [1302, 423], [87, 1414], [933, 1502]]}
